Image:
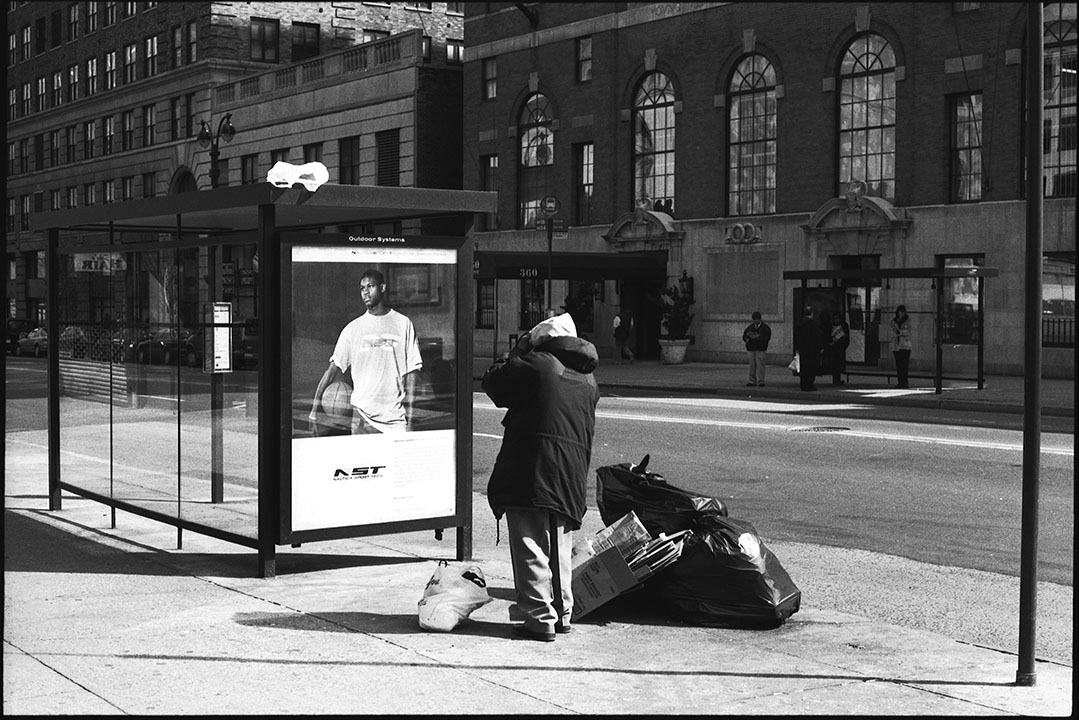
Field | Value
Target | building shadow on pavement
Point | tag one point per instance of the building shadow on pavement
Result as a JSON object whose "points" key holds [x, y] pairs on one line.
{"points": [[32, 545]]}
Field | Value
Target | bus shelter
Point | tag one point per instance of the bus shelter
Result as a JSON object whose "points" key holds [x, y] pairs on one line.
{"points": [[188, 338], [949, 319]]}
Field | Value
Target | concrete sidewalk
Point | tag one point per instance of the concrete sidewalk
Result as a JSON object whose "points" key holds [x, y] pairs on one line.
{"points": [[117, 621], [102, 620]]}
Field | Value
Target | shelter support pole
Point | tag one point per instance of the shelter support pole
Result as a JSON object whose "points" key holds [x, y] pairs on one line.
{"points": [[463, 476], [217, 391], [52, 323], [268, 291], [938, 382], [1028, 563], [981, 334]]}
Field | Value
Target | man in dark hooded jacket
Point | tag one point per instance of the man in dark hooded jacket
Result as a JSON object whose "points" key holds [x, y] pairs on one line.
{"points": [[540, 474]]}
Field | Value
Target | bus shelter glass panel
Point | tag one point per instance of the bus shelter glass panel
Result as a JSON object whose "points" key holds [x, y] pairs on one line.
{"points": [[137, 414], [373, 403], [89, 385]]}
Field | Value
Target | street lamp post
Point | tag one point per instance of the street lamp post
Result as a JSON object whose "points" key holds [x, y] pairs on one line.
{"points": [[225, 131]]}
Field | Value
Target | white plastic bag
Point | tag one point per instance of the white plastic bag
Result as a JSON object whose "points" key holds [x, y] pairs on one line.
{"points": [[795, 365], [451, 595]]}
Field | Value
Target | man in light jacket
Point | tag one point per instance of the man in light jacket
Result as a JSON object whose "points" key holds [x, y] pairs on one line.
{"points": [[540, 475]]}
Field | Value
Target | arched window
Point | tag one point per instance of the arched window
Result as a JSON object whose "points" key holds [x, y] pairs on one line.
{"points": [[1059, 143], [867, 116], [653, 144], [751, 134], [536, 159]]}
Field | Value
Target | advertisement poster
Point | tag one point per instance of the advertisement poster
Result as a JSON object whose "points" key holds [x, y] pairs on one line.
{"points": [[373, 405]]}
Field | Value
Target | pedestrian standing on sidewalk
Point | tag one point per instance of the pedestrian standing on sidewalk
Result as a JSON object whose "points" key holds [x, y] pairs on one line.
{"points": [[901, 340], [541, 472], [838, 342], [756, 337], [623, 324], [808, 346]]}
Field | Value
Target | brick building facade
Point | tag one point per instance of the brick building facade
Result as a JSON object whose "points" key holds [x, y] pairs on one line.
{"points": [[731, 143], [106, 101]]}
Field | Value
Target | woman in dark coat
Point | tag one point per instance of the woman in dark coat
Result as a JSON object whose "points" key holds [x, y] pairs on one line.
{"points": [[808, 346], [540, 475]]}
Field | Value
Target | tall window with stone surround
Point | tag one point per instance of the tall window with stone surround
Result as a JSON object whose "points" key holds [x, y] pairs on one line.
{"points": [[751, 135], [867, 105], [536, 158], [653, 144], [1060, 139]]}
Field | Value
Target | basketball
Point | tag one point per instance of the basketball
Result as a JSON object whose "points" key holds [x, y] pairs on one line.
{"points": [[336, 404]]}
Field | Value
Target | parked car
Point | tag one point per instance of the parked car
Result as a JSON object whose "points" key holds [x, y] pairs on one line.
{"points": [[72, 342], [17, 328], [35, 342], [170, 345], [118, 346]]}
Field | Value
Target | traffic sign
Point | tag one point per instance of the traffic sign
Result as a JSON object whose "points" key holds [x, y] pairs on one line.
{"points": [[549, 205]]}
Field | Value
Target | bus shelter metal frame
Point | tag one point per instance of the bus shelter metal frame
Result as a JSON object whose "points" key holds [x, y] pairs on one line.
{"points": [[267, 211], [938, 275]]}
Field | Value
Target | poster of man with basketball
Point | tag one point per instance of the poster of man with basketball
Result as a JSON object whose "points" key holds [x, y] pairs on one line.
{"points": [[380, 352]]}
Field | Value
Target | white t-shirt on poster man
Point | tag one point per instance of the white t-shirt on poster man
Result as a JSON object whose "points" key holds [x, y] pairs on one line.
{"points": [[380, 350]]}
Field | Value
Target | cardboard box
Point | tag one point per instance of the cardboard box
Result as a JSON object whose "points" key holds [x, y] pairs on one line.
{"points": [[600, 570], [598, 578]]}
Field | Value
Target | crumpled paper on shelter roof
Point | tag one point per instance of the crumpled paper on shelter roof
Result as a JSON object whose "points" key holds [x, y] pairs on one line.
{"points": [[311, 175]]}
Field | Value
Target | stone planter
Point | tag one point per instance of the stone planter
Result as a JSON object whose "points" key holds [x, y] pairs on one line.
{"points": [[673, 352]]}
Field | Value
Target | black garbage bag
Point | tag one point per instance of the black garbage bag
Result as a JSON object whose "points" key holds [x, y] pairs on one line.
{"points": [[726, 577], [660, 506]]}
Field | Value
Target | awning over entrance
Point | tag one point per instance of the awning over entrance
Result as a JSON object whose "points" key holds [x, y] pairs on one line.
{"points": [[649, 265]]}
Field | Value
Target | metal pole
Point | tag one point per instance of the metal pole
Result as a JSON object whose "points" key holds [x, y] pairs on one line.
{"points": [[1028, 572], [550, 245], [52, 324], [938, 381]]}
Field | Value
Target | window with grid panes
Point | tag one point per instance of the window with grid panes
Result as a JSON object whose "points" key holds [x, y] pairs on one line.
{"points": [[110, 69], [40, 36], [348, 155], [149, 61], [42, 93], [535, 158], [127, 188], [54, 148], [39, 151], [55, 198], [279, 155], [108, 191], [149, 184], [177, 46], [24, 217], [485, 303], [89, 194], [91, 17], [131, 56], [110, 13], [108, 131], [455, 51], [73, 21], [12, 49], [305, 40], [149, 121], [966, 147], [27, 99], [72, 197], [192, 41], [490, 78], [72, 83], [751, 138], [176, 118], [249, 165], [1060, 142], [91, 76], [56, 29], [312, 152], [584, 163], [12, 213], [57, 88], [69, 138], [26, 42], [89, 133], [12, 103], [653, 144], [372, 34], [584, 59], [127, 130], [264, 36], [867, 105], [531, 308], [24, 155], [12, 158]]}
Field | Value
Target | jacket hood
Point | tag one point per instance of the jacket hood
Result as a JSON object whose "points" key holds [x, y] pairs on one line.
{"points": [[573, 352]]}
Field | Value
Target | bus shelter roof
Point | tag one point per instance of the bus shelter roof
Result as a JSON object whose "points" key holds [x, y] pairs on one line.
{"points": [[237, 208]]}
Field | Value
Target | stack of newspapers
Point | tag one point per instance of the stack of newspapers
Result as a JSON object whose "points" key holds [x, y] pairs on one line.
{"points": [[644, 554]]}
